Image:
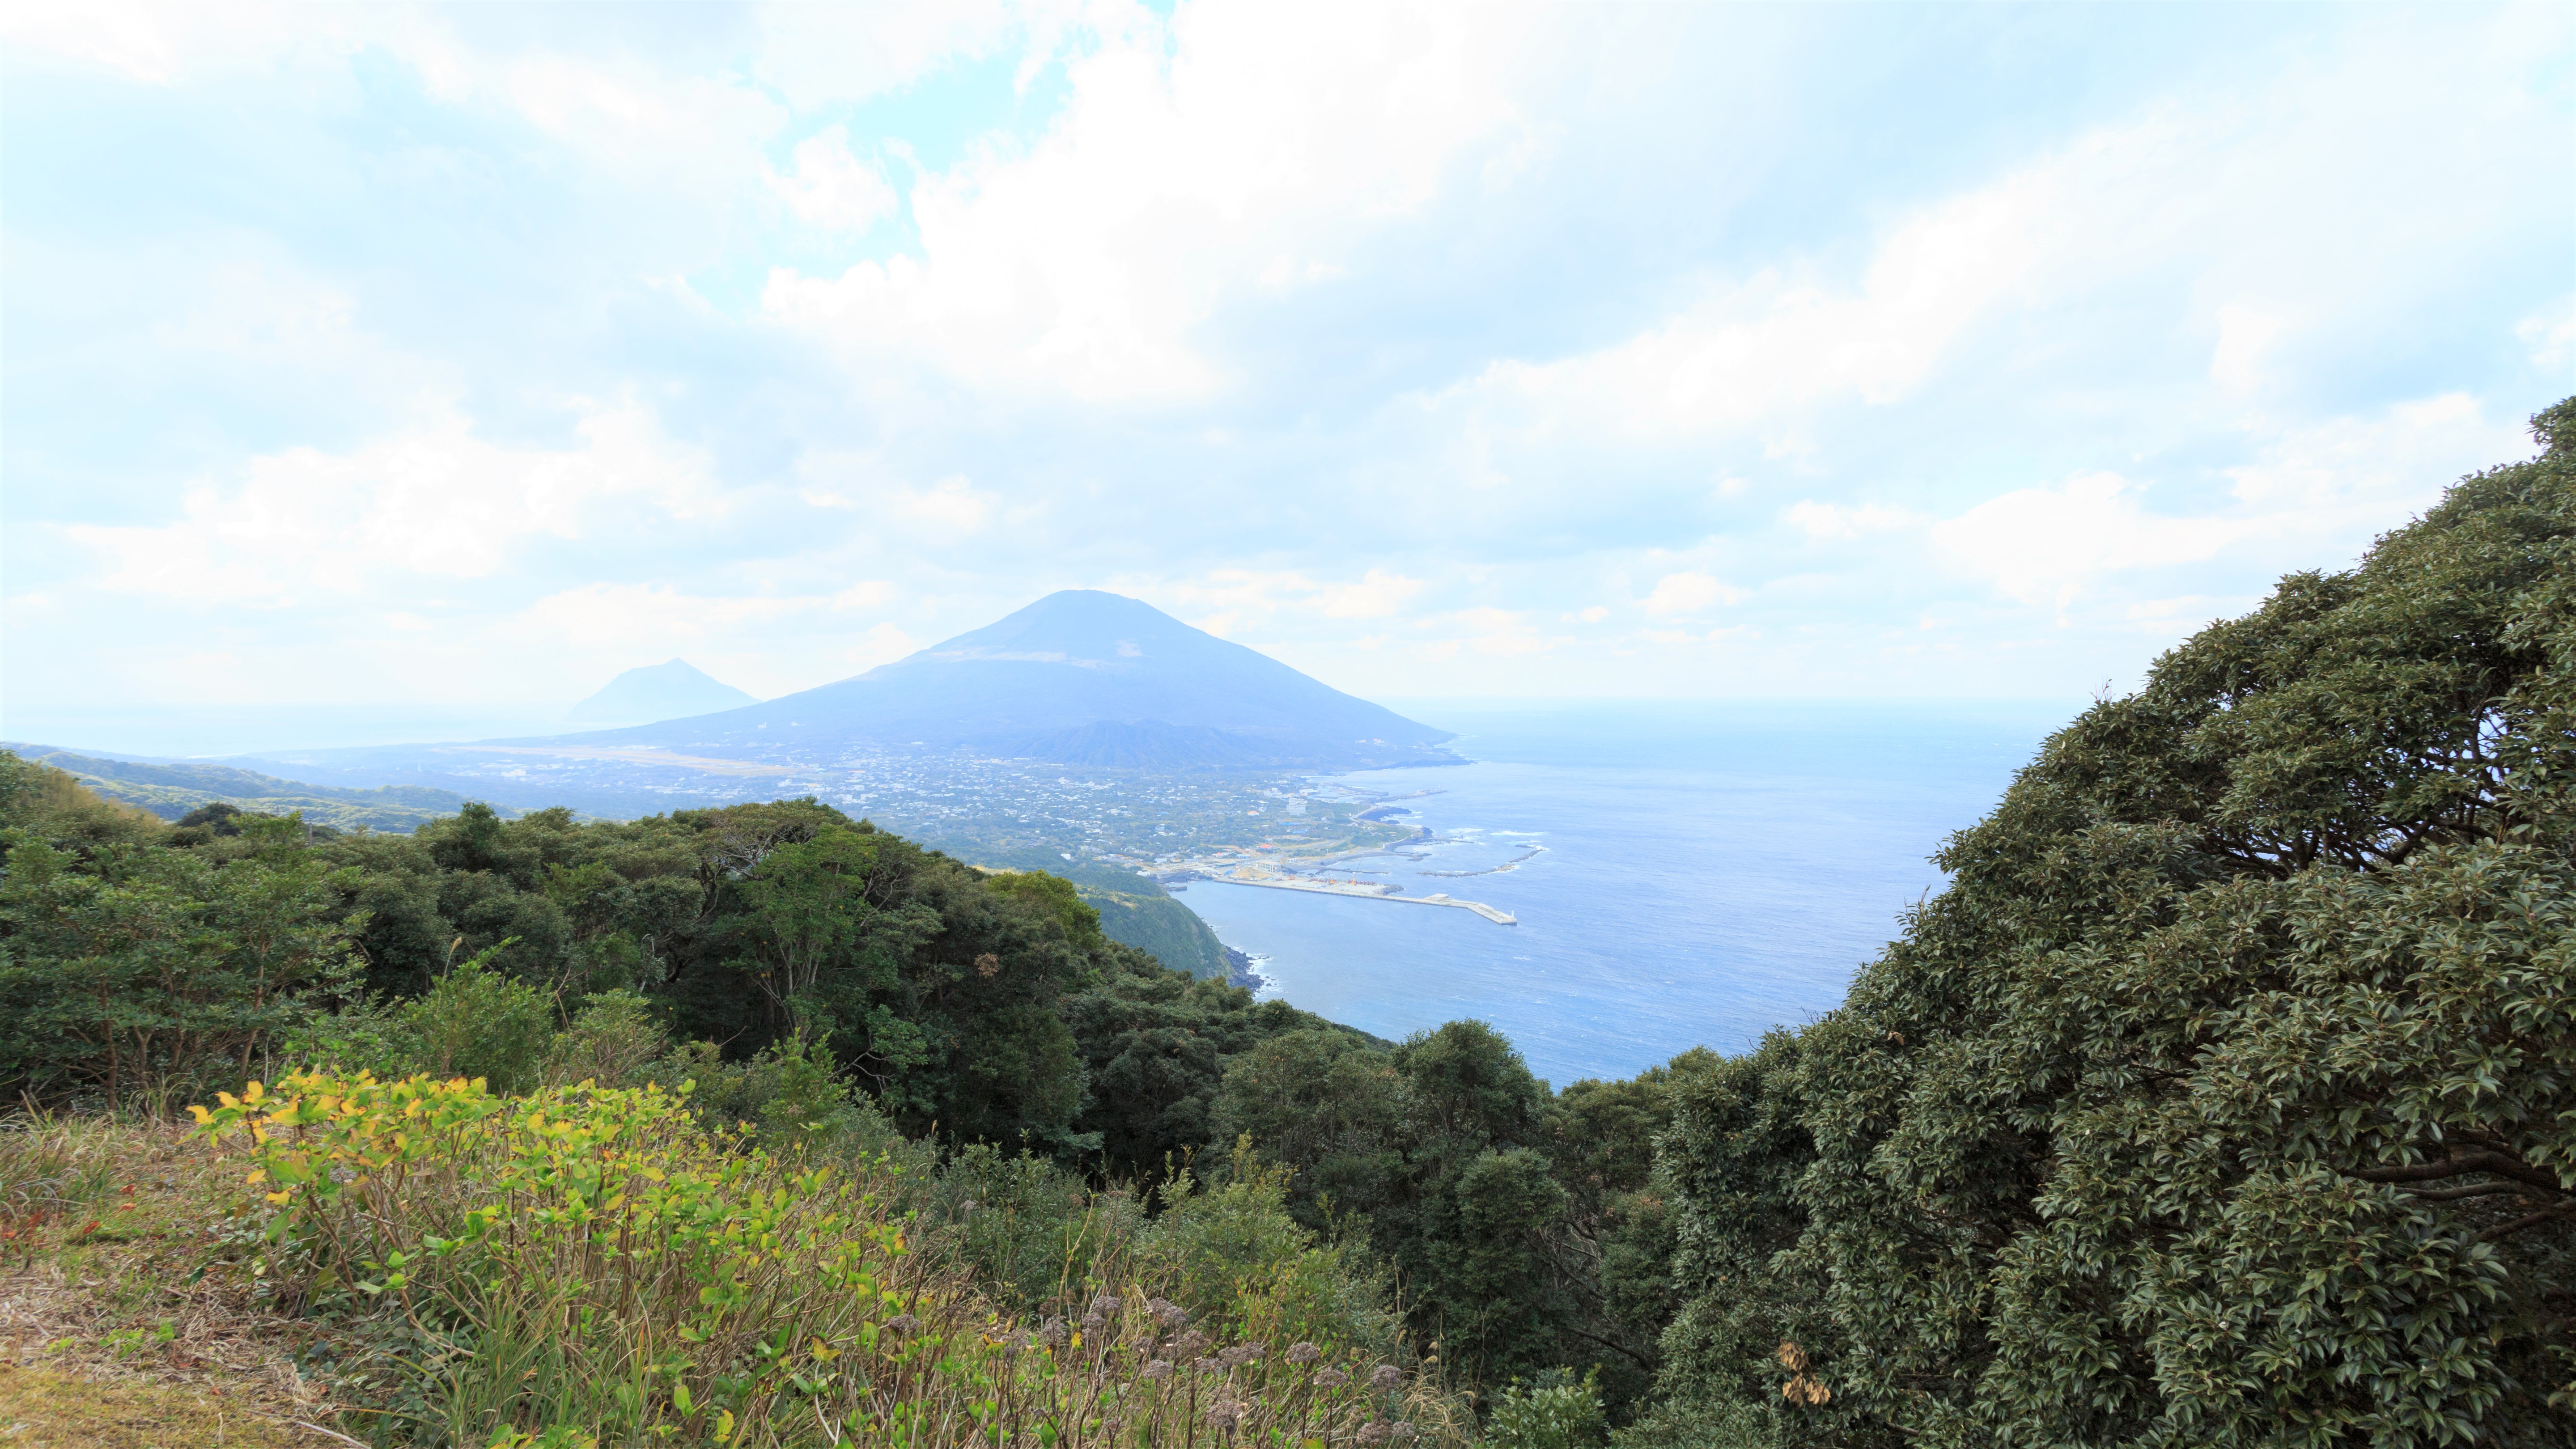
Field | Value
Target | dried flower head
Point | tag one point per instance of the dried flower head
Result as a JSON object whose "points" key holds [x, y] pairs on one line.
{"points": [[902, 1323], [1405, 1433], [1332, 1378], [1224, 1414], [1386, 1376], [1158, 1369], [1104, 1305], [1374, 1433], [1052, 1331], [1190, 1344], [1208, 1366], [1172, 1314], [1304, 1353]]}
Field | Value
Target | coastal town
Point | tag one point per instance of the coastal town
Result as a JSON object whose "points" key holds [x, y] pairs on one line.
{"points": [[1270, 829]]}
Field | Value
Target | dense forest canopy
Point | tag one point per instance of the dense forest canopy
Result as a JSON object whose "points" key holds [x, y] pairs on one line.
{"points": [[2226, 1095]]}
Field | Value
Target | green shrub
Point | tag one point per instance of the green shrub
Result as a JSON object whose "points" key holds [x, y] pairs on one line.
{"points": [[1031, 1230], [790, 1091], [477, 1022], [368, 1034], [1555, 1414], [1234, 1251], [1701, 1424], [615, 1040]]}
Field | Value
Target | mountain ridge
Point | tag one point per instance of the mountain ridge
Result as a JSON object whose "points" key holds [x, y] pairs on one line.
{"points": [[1080, 676], [648, 694]]}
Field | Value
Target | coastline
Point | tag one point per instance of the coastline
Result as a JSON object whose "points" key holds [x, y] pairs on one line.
{"points": [[1244, 969]]}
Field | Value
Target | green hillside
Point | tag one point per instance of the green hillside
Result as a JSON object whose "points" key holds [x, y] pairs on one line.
{"points": [[1134, 910], [173, 790]]}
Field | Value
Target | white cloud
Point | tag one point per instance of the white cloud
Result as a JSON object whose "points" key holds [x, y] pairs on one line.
{"points": [[829, 187], [686, 132], [1375, 596], [1690, 592], [2331, 476], [1827, 522], [2550, 334], [771, 643], [819, 55], [2246, 198], [649, 617], [1487, 630], [2044, 545], [882, 644], [1189, 164], [2313, 495], [1227, 602], [1782, 339], [436, 500], [701, 132], [158, 44], [951, 505], [2244, 334]]}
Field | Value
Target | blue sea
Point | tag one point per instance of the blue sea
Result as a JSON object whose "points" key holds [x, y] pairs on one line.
{"points": [[1709, 872]]}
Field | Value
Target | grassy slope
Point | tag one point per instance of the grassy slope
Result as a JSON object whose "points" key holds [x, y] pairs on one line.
{"points": [[115, 1327]]}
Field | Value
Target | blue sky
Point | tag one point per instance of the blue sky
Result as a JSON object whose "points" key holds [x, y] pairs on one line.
{"points": [[473, 354]]}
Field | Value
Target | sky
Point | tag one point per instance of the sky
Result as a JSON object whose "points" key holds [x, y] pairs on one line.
{"points": [[473, 354]]}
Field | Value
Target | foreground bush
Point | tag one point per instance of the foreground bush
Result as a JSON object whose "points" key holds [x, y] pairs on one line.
{"points": [[592, 1259]]}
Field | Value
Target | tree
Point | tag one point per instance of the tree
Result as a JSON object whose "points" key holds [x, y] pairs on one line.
{"points": [[141, 973], [1501, 1204], [2228, 1094]]}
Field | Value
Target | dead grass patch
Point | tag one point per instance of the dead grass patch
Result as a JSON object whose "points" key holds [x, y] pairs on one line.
{"points": [[45, 1410], [118, 1297]]}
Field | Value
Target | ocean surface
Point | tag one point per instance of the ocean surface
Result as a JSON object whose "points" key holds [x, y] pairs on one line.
{"points": [[1708, 872]]}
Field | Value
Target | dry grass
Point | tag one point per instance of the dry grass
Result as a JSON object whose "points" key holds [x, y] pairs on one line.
{"points": [[114, 1279], [43, 1410]]}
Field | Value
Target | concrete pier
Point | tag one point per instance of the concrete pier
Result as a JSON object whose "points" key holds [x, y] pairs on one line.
{"points": [[1364, 890]]}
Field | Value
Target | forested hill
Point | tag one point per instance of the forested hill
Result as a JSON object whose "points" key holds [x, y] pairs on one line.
{"points": [[173, 789], [2226, 1096], [992, 1005]]}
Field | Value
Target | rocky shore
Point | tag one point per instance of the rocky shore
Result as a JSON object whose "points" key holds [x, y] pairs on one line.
{"points": [[1244, 969]]}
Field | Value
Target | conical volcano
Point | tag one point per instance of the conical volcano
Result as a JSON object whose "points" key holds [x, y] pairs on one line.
{"points": [[1081, 677], [674, 689]]}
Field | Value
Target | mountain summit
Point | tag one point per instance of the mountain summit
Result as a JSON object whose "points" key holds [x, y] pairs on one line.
{"points": [[673, 689], [1084, 678]]}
